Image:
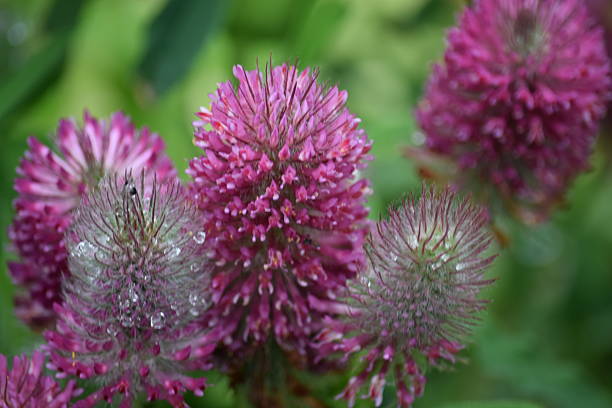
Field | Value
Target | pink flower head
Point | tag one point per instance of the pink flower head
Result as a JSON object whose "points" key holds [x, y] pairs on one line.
{"points": [[518, 99], [414, 305], [137, 286], [602, 10], [50, 185], [26, 386], [280, 190]]}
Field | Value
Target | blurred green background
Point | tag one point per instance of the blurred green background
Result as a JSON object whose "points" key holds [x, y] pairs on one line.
{"points": [[547, 337]]}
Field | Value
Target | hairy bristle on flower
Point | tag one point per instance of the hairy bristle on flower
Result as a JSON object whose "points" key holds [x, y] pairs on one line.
{"points": [[282, 197], [518, 99], [24, 385], [50, 185], [138, 284], [415, 303]]}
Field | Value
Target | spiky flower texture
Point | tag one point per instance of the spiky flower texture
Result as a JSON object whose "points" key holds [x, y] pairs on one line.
{"points": [[279, 186], [139, 282], [24, 385], [50, 185], [414, 305], [519, 98]]}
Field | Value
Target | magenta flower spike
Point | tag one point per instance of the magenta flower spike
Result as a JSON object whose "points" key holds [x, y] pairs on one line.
{"points": [[413, 306], [138, 284], [26, 386], [50, 185], [518, 100], [283, 201], [602, 10]]}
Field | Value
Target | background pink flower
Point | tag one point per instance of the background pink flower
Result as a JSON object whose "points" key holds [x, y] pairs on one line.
{"points": [[517, 102], [50, 185]]}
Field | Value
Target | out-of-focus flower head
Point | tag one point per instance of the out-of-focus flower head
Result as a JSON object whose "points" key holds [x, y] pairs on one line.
{"points": [[602, 10], [414, 305], [50, 185], [283, 201], [517, 102], [138, 284], [24, 385]]}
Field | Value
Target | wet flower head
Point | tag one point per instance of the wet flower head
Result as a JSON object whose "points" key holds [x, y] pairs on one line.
{"points": [[279, 186], [519, 98], [139, 281], [51, 184], [26, 386], [418, 296]]}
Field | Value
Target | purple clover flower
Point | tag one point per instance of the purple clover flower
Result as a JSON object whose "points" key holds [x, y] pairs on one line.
{"points": [[50, 185], [26, 386], [283, 201], [518, 100], [138, 284], [413, 306]]}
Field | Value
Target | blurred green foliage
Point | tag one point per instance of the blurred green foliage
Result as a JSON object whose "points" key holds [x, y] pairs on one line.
{"points": [[547, 337]]}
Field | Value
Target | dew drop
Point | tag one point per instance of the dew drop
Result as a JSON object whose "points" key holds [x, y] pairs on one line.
{"points": [[133, 295], [459, 267], [200, 237], [158, 320], [194, 312], [111, 330], [174, 252], [127, 320], [193, 268], [194, 298], [83, 248], [124, 302]]}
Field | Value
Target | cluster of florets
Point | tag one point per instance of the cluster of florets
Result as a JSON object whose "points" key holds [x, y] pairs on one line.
{"points": [[146, 279], [137, 288], [280, 191], [25, 386], [518, 100], [417, 298], [602, 9], [50, 186]]}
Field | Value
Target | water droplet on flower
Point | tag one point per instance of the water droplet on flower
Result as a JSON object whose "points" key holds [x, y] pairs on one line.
{"points": [[193, 268], [174, 252], [194, 312], [133, 295], [200, 237], [127, 320], [111, 330], [83, 248], [194, 299], [459, 267], [158, 320]]}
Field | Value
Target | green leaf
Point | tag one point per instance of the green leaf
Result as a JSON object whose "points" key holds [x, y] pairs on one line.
{"points": [[176, 36], [491, 404], [32, 76], [316, 31], [63, 15]]}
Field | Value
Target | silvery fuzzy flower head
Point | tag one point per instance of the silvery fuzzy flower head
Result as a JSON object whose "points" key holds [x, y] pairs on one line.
{"points": [[50, 184], [139, 282], [24, 385], [417, 297], [517, 102], [279, 187]]}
